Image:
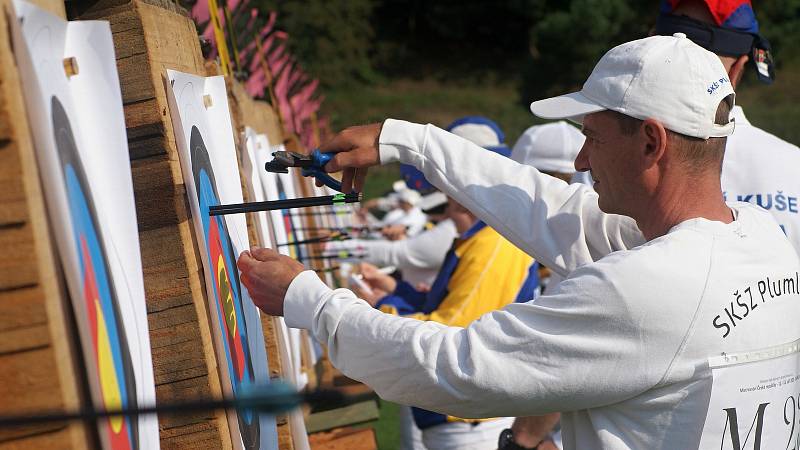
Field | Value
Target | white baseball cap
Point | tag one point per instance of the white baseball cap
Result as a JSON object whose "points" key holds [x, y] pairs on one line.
{"points": [[399, 186], [409, 196], [432, 200], [479, 130], [551, 147], [667, 78]]}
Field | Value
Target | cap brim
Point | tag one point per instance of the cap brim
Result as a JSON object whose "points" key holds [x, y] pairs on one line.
{"points": [[572, 106]]}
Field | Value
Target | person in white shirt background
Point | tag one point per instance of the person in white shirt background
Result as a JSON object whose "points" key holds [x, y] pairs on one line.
{"points": [[420, 257], [654, 261], [759, 167], [406, 214], [551, 148]]}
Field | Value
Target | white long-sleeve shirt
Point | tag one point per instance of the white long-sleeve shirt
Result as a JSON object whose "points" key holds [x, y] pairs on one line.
{"points": [[418, 257], [762, 169], [620, 347]]}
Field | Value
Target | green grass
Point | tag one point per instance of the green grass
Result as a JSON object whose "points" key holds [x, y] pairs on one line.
{"points": [[429, 102], [387, 427]]}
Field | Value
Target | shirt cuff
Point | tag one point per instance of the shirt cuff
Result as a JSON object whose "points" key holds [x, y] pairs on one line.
{"points": [[398, 138], [305, 295]]}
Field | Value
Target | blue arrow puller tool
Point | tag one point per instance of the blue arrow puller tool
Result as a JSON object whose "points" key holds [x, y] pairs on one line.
{"points": [[312, 165]]}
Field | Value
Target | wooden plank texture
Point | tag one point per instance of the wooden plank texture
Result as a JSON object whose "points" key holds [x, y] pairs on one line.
{"points": [[39, 360], [348, 415], [344, 439], [150, 37]]}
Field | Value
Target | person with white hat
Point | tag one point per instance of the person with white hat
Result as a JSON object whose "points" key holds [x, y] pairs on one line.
{"points": [[407, 213], [664, 334], [482, 271], [551, 148], [758, 167]]}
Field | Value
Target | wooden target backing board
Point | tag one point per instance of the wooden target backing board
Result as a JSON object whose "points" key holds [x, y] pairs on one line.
{"points": [[39, 359], [149, 39]]}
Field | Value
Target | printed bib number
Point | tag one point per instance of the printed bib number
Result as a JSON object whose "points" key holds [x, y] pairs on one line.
{"points": [[755, 400]]}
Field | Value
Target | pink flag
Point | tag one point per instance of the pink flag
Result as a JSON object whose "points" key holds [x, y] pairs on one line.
{"points": [[303, 95], [281, 89], [265, 48], [273, 56], [236, 13], [282, 83], [279, 65], [200, 12], [256, 85], [294, 77], [305, 110]]}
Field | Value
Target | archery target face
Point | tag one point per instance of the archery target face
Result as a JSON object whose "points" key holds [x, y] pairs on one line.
{"points": [[82, 155], [225, 295], [251, 166], [110, 353], [211, 176]]}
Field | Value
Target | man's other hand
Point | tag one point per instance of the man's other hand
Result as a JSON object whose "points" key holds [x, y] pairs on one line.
{"points": [[267, 274], [356, 149]]}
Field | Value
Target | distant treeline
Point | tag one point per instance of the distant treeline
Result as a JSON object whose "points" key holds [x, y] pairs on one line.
{"points": [[547, 46]]}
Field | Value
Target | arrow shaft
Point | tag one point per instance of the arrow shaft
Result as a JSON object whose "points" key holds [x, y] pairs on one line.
{"points": [[271, 205]]}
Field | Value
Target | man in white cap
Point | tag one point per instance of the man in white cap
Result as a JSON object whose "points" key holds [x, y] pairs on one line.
{"points": [[758, 167], [666, 287], [420, 257], [463, 291], [407, 214], [551, 148]]}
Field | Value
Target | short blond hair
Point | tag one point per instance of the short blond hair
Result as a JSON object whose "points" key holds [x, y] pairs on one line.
{"points": [[699, 154]]}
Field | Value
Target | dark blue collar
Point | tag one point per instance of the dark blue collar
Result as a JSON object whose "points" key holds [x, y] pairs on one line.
{"points": [[477, 226]]}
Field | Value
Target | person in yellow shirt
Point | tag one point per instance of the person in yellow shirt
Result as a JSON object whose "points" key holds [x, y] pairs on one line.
{"points": [[482, 272]]}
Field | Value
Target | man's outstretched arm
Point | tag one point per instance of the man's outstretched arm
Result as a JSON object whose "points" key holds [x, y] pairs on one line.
{"points": [[527, 359], [560, 225]]}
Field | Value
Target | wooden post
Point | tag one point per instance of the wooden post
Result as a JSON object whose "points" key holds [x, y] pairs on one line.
{"points": [[40, 364], [149, 39]]}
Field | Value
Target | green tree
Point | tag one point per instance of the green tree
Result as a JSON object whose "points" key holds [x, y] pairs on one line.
{"points": [[568, 39], [331, 39]]}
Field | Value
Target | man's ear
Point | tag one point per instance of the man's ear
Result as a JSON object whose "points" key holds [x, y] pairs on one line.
{"points": [[654, 137], [737, 70]]}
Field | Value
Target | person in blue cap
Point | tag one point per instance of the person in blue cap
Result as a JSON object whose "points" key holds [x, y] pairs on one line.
{"points": [[481, 271], [462, 280], [758, 167]]}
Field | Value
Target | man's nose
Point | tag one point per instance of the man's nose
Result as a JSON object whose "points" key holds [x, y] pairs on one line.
{"points": [[582, 160]]}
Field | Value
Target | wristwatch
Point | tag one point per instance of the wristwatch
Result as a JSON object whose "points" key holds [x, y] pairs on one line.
{"points": [[507, 442]]}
